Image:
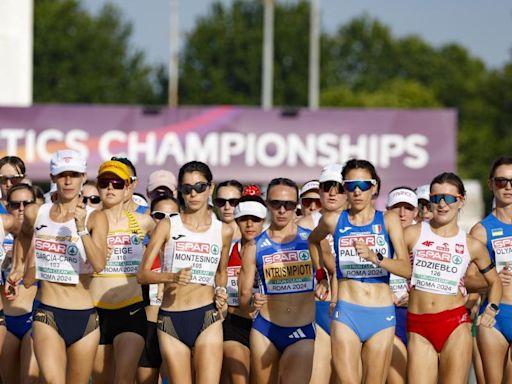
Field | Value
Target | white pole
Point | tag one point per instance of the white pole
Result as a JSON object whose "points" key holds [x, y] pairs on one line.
{"points": [[174, 53], [314, 55], [267, 83]]}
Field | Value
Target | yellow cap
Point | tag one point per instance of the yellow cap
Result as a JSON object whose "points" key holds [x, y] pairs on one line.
{"points": [[115, 167]]}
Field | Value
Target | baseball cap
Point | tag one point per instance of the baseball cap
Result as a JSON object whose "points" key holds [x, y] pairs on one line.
{"points": [[331, 172], [309, 186], [162, 178], [423, 192], [402, 195], [115, 167], [250, 208], [67, 160]]}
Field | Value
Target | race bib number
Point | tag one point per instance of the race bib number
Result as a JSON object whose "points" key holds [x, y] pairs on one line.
{"points": [[352, 265], [502, 251], [437, 271], [125, 254], [57, 262], [203, 258], [288, 272]]}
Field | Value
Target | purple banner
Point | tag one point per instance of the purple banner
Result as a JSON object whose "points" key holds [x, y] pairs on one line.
{"points": [[408, 147]]}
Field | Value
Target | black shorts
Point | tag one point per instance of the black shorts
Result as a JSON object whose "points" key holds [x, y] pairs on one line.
{"points": [[116, 321], [151, 357], [237, 328]]}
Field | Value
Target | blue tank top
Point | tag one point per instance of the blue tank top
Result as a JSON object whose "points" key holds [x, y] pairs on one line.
{"points": [[499, 240], [348, 263], [2, 209], [284, 268]]}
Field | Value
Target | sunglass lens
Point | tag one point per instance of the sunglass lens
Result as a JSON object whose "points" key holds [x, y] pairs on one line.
{"points": [[501, 182], [158, 215], [448, 199], [363, 185], [219, 202]]}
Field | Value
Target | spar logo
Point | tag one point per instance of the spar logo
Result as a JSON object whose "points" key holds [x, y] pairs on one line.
{"points": [[72, 250], [345, 242], [281, 257], [135, 240], [189, 246], [457, 259], [434, 255], [215, 249], [119, 240], [504, 242], [304, 255], [380, 241], [50, 246]]}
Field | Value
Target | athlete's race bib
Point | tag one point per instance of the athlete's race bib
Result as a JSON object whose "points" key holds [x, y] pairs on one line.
{"points": [[125, 254], [352, 265], [203, 258], [232, 286], [502, 251], [57, 262], [398, 285], [288, 272]]}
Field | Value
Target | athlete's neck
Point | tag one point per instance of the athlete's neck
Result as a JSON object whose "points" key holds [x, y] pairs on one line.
{"points": [[504, 213], [283, 234], [66, 206], [362, 217], [445, 230], [115, 213], [197, 220]]}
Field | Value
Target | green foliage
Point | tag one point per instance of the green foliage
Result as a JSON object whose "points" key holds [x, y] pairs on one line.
{"points": [[83, 59]]}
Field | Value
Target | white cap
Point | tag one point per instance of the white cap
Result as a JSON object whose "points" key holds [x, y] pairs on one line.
{"points": [[402, 195], [310, 186], [331, 172], [423, 192], [250, 208], [67, 160]]}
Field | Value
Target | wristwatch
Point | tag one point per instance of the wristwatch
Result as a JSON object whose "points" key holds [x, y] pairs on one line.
{"points": [[379, 258], [494, 307]]}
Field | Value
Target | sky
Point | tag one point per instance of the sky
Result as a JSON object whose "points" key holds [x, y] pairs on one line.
{"points": [[484, 27]]}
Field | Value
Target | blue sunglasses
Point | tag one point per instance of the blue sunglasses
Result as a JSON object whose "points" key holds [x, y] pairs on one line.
{"points": [[448, 199], [363, 185]]}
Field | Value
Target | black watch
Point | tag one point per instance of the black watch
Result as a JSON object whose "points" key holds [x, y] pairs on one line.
{"points": [[493, 307], [379, 258]]}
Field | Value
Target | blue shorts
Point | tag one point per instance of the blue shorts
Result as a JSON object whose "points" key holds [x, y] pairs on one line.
{"points": [[401, 324], [364, 321], [20, 325], [503, 320], [283, 337], [322, 317]]}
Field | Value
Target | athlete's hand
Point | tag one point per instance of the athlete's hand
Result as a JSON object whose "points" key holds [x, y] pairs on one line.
{"points": [[11, 289], [486, 319], [402, 301], [506, 275], [221, 297], [80, 215], [184, 276], [258, 301], [364, 252], [332, 305], [322, 290]]}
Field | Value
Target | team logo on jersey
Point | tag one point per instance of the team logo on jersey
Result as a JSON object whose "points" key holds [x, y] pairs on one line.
{"points": [[72, 250], [459, 248], [457, 259], [376, 228], [428, 243], [345, 229], [304, 255], [303, 236], [497, 232], [135, 240], [215, 249]]}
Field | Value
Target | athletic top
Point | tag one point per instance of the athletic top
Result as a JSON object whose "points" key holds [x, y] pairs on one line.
{"points": [[499, 240], [3, 251], [2, 208], [59, 251], [439, 262], [199, 250], [284, 268], [125, 250], [348, 263]]}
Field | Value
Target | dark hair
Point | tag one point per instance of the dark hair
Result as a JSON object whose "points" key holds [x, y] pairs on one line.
{"points": [[229, 183], [19, 187], [162, 198], [361, 164], [502, 160], [195, 166], [126, 162], [38, 191], [283, 181], [15, 161], [449, 178]]}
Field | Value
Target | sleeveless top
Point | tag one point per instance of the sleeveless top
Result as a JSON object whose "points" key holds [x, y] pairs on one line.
{"points": [[199, 250], [348, 263], [125, 249], [4, 248], [440, 263], [499, 240], [59, 251], [284, 268]]}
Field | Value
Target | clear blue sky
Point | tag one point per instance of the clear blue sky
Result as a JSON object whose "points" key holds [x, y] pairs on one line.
{"points": [[483, 27]]}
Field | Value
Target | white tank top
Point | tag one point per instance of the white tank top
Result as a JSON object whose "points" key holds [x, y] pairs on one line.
{"points": [[59, 251], [199, 250], [439, 262]]}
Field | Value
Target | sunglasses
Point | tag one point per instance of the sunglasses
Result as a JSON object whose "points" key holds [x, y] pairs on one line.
{"points": [[448, 199], [501, 182], [254, 219], [159, 215], [187, 189], [363, 184], [287, 204], [18, 204], [308, 201], [326, 186], [220, 202], [116, 183], [14, 179], [93, 199]]}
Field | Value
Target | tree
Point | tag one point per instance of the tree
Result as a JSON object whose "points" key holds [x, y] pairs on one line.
{"points": [[83, 59]]}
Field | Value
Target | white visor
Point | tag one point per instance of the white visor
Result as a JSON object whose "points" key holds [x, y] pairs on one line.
{"points": [[402, 195], [250, 208]]}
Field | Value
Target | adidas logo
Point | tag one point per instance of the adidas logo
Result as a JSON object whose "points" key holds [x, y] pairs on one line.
{"points": [[298, 334], [265, 243]]}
